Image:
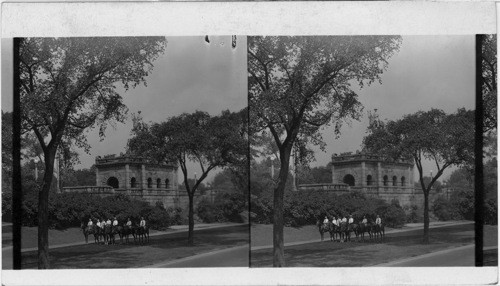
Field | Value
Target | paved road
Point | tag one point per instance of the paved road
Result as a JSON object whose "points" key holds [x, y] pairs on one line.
{"points": [[168, 245], [232, 257]]}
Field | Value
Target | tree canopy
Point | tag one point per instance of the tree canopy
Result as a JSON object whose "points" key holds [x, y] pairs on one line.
{"points": [[489, 75], [211, 142], [68, 85], [297, 85], [445, 139]]}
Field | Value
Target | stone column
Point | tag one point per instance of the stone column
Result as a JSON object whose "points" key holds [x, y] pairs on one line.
{"points": [[333, 175], [97, 180], [127, 177], [380, 182], [363, 175], [143, 177]]}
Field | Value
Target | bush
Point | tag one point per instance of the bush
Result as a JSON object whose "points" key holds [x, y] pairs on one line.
{"points": [[444, 210], [71, 209], [226, 207], [490, 212], [394, 215], [413, 214], [306, 207]]}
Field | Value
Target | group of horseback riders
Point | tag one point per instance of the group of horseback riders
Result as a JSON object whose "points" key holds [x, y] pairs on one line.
{"points": [[107, 229], [343, 228]]}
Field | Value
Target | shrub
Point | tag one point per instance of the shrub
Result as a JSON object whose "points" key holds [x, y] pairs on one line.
{"points": [[394, 215], [444, 210], [226, 207], [490, 212], [413, 214]]}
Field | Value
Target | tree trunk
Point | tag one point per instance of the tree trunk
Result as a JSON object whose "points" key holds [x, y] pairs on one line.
{"points": [[43, 210], [426, 217], [191, 220], [278, 245]]}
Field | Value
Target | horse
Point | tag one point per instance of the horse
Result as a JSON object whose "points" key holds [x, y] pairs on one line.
{"points": [[323, 228], [125, 232], [354, 228], [362, 229], [86, 231], [142, 234], [344, 232], [379, 231], [109, 236]]}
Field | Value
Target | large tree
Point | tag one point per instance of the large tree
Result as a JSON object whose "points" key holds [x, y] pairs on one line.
{"points": [[210, 142], [68, 85], [489, 87], [433, 135], [299, 84]]}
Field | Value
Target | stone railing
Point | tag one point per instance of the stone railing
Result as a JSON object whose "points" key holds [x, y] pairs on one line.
{"points": [[88, 189], [364, 157], [323, 187]]}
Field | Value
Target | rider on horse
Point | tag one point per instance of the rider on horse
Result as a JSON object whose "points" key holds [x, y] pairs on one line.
{"points": [[334, 221], [364, 221], [344, 219], [129, 223], [115, 222], [351, 220], [90, 223], [325, 221], [378, 221], [142, 223]]}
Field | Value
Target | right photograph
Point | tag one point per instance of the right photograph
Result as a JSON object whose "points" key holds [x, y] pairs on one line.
{"points": [[363, 151]]}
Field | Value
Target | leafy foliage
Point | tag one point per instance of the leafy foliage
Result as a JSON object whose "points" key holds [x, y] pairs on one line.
{"points": [[212, 142], [68, 85], [227, 207], [298, 85], [489, 88], [433, 135], [306, 207]]}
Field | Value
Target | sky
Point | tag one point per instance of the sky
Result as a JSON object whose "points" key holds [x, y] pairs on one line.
{"points": [[191, 75], [427, 72]]}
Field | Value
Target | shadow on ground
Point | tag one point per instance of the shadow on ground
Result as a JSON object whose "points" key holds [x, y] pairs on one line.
{"points": [[159, 249], [352, 254]]}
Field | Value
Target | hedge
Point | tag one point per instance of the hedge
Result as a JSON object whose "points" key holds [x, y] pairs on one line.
{"points": [[71, 209], [306, 207], [227, 207]]}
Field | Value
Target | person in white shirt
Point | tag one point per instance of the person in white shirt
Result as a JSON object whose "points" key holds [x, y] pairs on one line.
{"points": [[90, 223], [142, 223], [351, 220], [334, 221], [339, 220], [325, 221], [103, 223], [98, 223], [108, 222], [378, 220], [129, 223], [115, 222], [344, 219], [365, 221]]}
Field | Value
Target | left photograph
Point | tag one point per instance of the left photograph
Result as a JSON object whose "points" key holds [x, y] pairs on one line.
{"points": [[134, 152]]}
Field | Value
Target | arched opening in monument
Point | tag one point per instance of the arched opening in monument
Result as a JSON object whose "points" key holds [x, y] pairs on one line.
{"points": [[349, 179], [394, 181], [403, 181], [150, 183], [167, 182], [386, 180], [158, 183], [133, 182], [369, 180], [113, 182]]}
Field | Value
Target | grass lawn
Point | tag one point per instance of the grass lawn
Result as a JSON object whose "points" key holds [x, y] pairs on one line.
{"points": [[162, 248], [29, 236], [396, 246]]}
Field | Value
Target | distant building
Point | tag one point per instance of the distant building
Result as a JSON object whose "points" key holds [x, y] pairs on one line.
{"points": [[372, 175], [138, 178]]}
